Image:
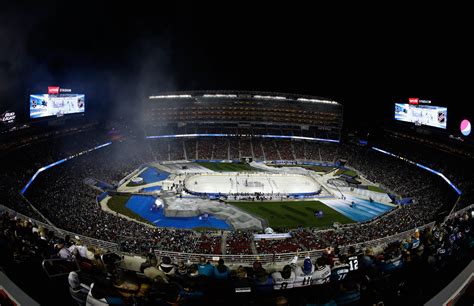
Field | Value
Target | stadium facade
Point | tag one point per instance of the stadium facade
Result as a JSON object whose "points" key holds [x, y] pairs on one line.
{"points": [[243, 113]]}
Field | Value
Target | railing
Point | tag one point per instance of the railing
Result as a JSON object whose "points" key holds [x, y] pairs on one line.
{"points": [[284, 257], [231, 259], [235, 259], [287, 257]]}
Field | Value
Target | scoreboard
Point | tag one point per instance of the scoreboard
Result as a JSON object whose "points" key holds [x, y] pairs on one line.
{"points": [[46, 105], [429, 115]]}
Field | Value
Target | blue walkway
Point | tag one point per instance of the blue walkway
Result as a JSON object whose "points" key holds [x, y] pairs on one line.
{"points": [[141, 205], [152, 175], [104, 185], [364, 210]]}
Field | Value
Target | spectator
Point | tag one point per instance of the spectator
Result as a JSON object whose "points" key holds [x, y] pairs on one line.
{"points": [[205, 268], [78, 292], [349, 294], [263, 282], [63, 252], [221, 271], [104, 290], [367, 260], [242, 282], [284, 279], [322, 272], [182, 270], [155, 274], [150, 261], [303, 274], [340, 270], [166, 266], [281, 301], [256, 266]]}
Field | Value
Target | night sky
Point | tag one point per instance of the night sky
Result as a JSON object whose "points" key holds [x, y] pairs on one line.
{"points": [[365, 57]]}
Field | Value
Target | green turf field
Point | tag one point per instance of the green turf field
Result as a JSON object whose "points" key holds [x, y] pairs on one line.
{"points": [[376, 189], [117, 203], [229, 167], [310, 167], [293, 214]]}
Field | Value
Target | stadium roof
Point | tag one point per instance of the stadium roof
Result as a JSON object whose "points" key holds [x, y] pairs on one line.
{"points": [[276, 96]]}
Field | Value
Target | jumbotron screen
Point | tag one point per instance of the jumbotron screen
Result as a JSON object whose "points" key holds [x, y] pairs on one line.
{"points": [[45, 105], [429, 115]]}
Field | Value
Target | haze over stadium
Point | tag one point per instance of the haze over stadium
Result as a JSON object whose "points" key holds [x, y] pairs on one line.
{"points": [[157, 154]]}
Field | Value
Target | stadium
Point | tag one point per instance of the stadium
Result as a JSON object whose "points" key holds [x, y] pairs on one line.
{"points": [[203, 183], [172, 154], [236, 163]]}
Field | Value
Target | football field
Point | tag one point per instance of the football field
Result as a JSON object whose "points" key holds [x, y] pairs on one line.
{"points": [[292, 214]]}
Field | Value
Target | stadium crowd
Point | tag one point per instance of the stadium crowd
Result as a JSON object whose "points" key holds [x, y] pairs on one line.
{"points": [[458, 168], [62, 197], [395, 275]]}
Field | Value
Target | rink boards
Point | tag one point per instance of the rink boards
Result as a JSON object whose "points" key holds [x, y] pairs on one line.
{"points": [[243, 183]]}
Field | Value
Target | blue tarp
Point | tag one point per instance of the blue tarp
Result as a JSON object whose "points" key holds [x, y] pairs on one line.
{"points": [[101, 196], [103, 185], [142, 205], [152, 175]]}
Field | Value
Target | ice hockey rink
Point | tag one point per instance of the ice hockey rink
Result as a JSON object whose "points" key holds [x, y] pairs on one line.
{"points": [[238, 183]]}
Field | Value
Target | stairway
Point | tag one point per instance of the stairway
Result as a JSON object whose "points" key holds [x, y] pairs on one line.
{"points": [[251, 148], [224, 242], [184, 148], [263, 151]]}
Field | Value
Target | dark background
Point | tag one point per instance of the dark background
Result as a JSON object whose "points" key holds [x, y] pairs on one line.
{"points": [[118, 53]]}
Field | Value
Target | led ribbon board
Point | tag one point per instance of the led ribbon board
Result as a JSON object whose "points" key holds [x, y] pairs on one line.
{"points": [[422, 167], [60, 162], [240, 135]]}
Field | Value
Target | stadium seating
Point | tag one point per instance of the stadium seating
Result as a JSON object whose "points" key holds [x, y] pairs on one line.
{"points": [[60, 196], [388, 275]]}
